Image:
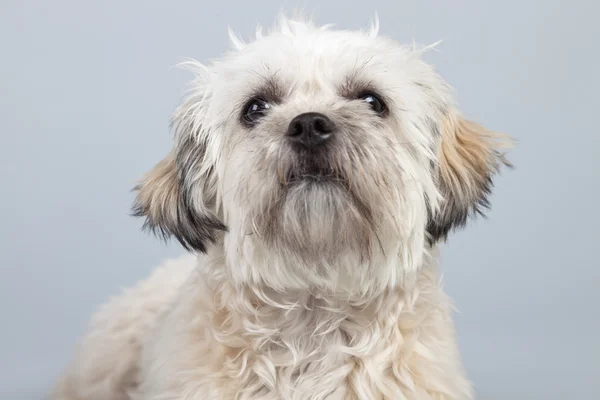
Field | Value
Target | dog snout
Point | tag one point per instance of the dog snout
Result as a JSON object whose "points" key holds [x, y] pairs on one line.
{"points": [[310, 130]]}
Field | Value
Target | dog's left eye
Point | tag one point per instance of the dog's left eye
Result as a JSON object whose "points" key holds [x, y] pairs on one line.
{"points": [[255, 109], [375, 102]]}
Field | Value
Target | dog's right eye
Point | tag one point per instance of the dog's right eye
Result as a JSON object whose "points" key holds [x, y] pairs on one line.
{"points": [[255, 109], [375, 102]]}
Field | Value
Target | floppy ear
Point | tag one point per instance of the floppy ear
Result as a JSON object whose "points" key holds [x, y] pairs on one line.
{"points": [[171, 209], [178, 196], [469, 157]]}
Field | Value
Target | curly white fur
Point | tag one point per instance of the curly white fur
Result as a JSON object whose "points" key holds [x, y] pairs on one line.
{"points": [[300, 289]]}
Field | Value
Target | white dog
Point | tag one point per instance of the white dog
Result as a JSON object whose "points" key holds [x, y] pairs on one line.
{"points": [[314, 171]]}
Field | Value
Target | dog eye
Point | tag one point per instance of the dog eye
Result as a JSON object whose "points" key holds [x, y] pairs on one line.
{"points": [[375, 102], [255, 110]]}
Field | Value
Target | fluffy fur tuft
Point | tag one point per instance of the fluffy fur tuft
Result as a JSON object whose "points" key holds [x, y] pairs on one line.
{"points": [[470, 156]]}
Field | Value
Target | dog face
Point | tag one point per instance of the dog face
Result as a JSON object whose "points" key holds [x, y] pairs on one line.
{"points": [[329, 158]]}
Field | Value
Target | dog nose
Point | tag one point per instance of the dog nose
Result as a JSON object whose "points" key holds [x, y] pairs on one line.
{"points": [[310, 129]]}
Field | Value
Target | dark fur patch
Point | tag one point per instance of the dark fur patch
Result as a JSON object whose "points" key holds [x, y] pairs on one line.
{"points": [[455, 215], [165, 199], [193, 231]]}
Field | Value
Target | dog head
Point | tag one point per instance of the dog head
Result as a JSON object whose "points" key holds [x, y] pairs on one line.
{"points": [[329, 158]]}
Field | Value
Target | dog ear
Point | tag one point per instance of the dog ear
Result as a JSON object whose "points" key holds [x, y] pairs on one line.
{"points": [[170, 209], [469, 157], [178, 197]]}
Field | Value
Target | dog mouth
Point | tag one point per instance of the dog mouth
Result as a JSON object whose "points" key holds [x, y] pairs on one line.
{"points": [[315, 167], [313, 175]]}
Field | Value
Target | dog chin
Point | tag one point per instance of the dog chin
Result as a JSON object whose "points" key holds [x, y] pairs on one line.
{"points": [[319, 219], [317, 186]]}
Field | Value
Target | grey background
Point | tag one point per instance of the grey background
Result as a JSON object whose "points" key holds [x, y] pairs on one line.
{"points": [[86, 89]]}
